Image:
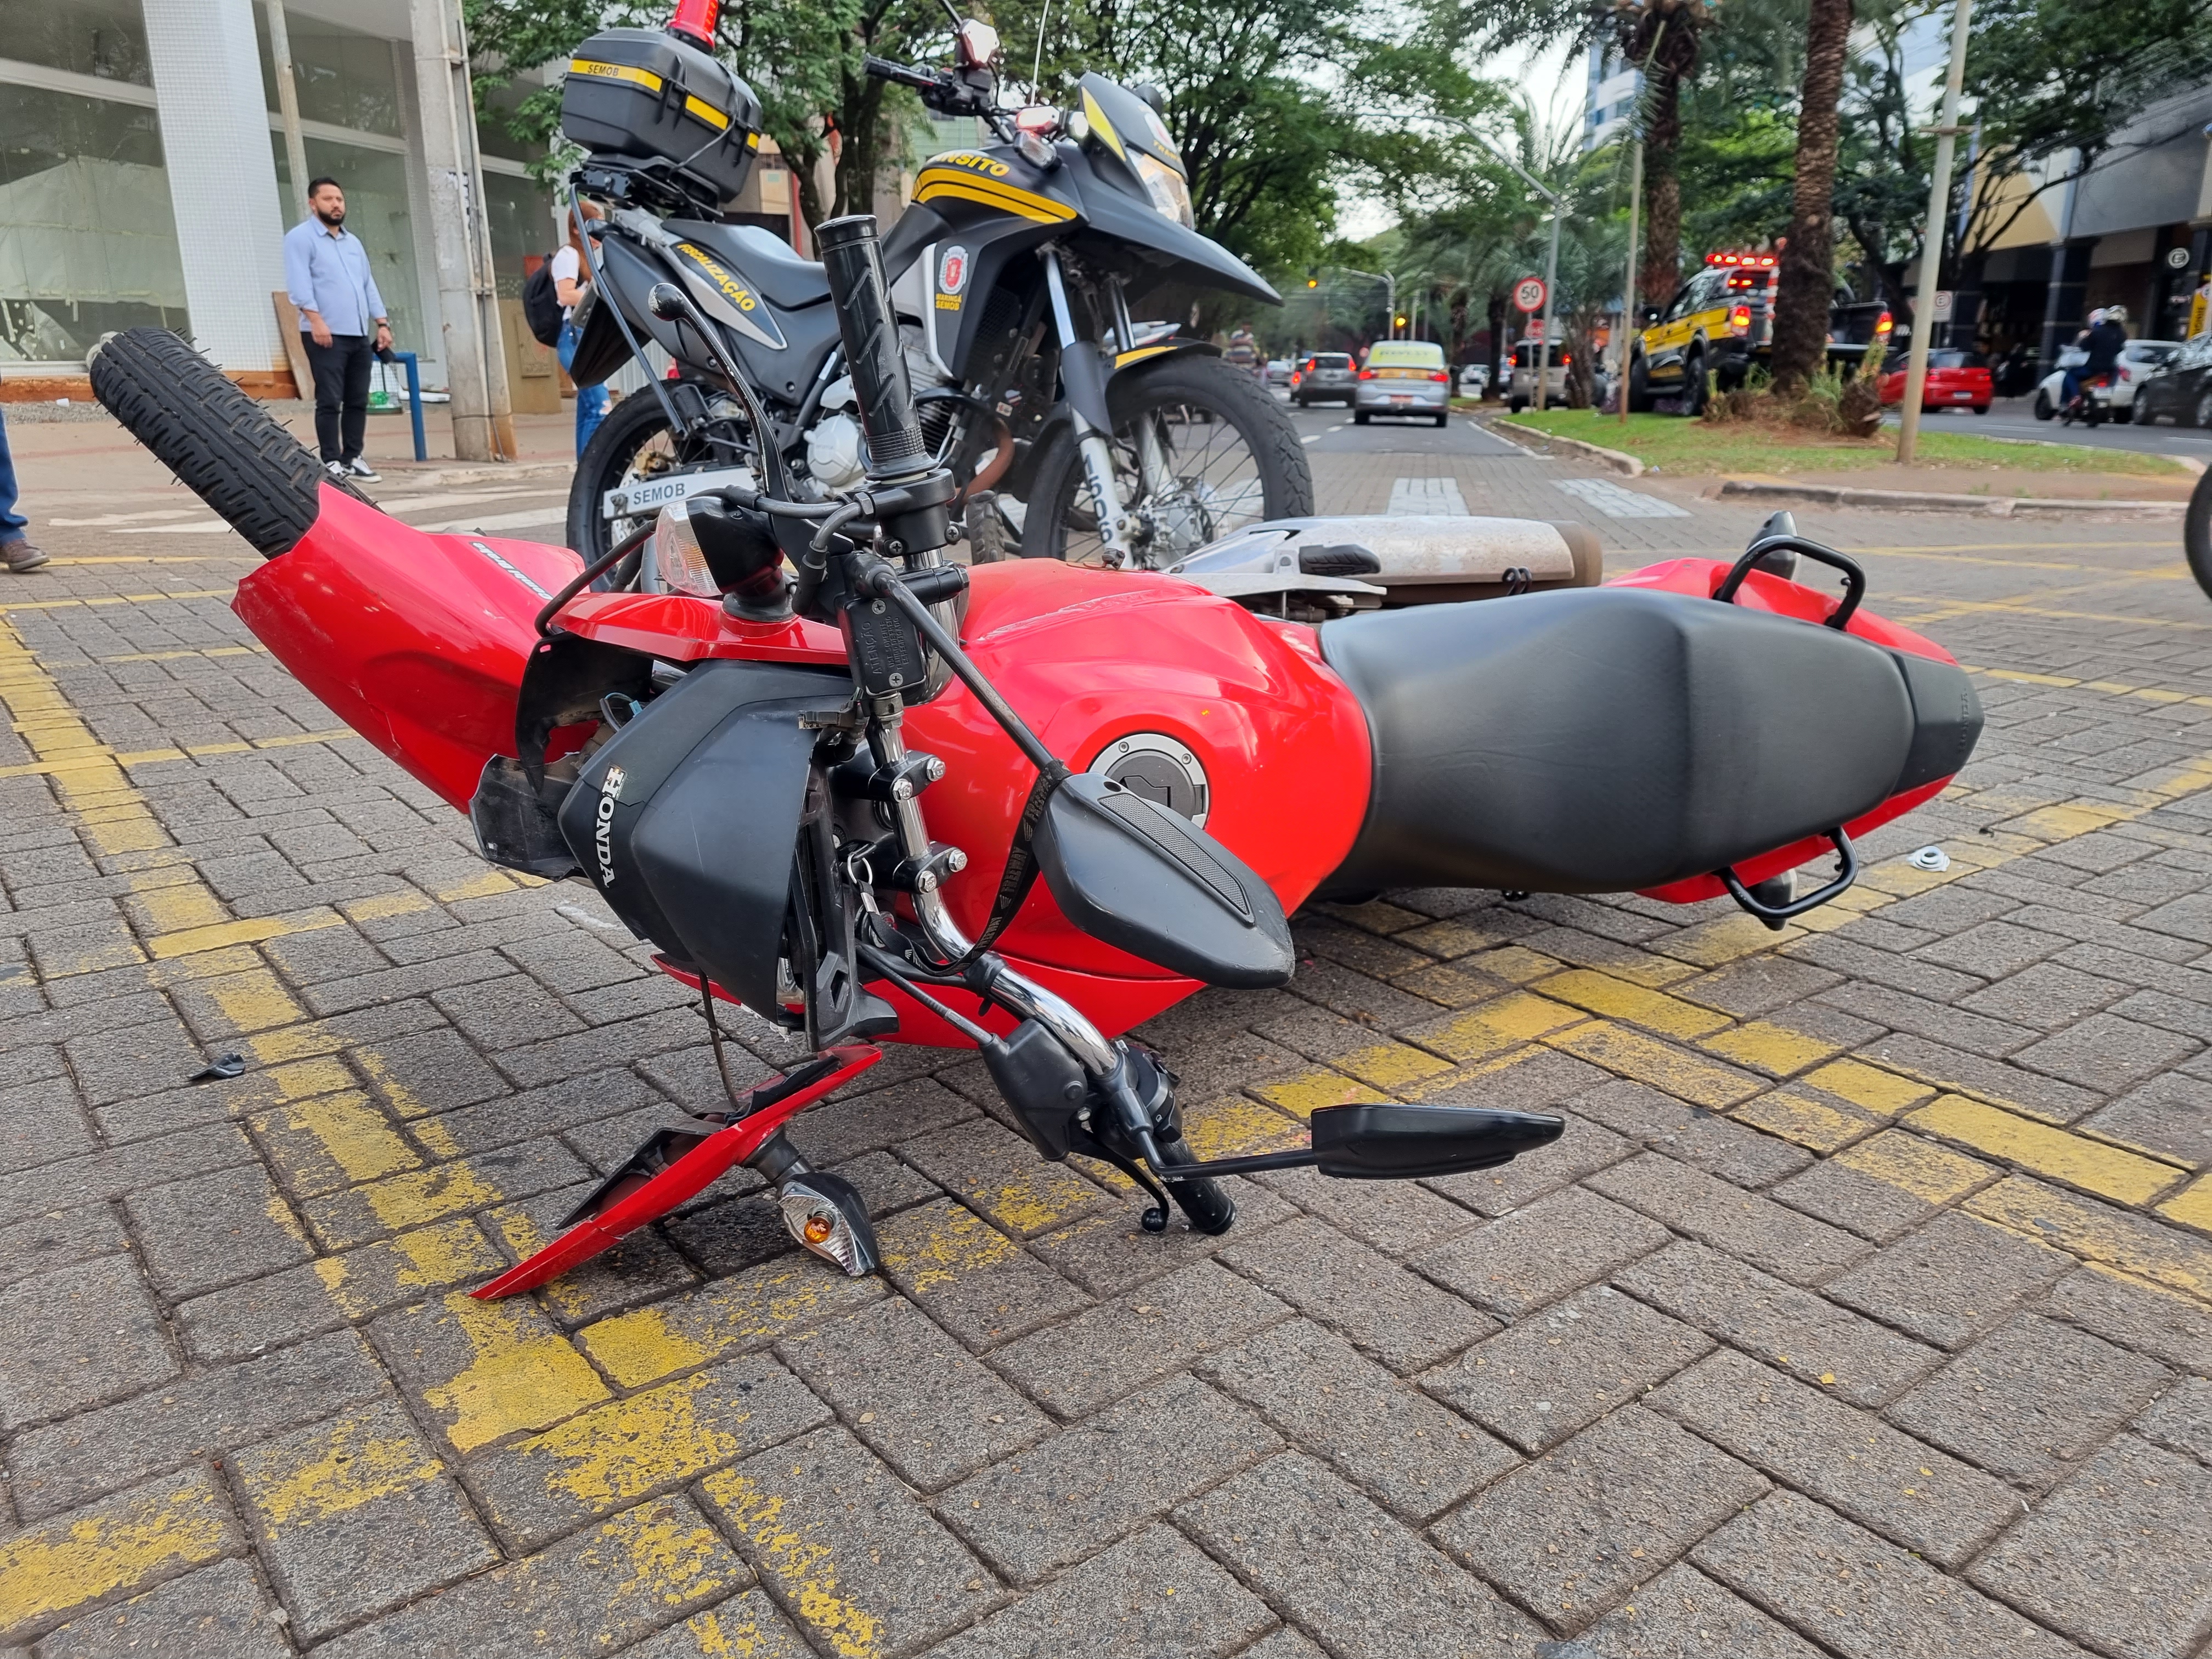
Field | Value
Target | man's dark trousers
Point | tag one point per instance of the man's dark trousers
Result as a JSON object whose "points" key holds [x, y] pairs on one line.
{"points": [[341, 371]]}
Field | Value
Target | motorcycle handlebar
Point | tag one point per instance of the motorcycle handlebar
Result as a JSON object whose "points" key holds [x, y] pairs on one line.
{"points": [[873, 354], [885, 69]]}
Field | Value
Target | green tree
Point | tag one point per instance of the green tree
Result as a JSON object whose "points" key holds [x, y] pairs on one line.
{"points": [[1807, 268]]}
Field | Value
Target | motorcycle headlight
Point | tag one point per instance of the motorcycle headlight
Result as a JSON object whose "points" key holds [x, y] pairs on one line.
{"points": [[1167, 188]]}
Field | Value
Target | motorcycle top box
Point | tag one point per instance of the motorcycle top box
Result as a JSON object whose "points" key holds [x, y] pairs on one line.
{"points": [[643, 98]]}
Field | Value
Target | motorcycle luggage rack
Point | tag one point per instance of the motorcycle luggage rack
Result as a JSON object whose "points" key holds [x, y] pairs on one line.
{"points": [[1853, 577], [1774, 916]]}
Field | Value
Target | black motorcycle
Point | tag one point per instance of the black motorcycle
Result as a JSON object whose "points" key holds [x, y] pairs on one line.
{"points": [[1070, 428]]}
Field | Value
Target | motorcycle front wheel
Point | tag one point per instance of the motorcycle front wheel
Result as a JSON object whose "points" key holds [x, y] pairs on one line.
{"points": [[2196, 532], [1231, 455], [634, 443]]}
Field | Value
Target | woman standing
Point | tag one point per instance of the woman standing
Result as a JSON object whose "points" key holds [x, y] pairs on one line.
{"points": [[571, 285]]}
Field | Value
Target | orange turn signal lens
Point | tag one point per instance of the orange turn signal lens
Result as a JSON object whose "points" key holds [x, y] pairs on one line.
{"points": [[818, 1228]]}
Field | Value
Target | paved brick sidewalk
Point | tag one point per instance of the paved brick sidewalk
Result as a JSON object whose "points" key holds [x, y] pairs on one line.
{"points": [[1864, 1310]]}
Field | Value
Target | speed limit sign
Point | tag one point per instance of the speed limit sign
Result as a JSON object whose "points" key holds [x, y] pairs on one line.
{"points": [[1528, 294]]}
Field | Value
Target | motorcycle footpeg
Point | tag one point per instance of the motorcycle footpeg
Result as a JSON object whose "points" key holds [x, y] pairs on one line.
{"points": [[826, 1214]]}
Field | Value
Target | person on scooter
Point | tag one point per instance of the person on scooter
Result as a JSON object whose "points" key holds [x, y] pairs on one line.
{"points": [[2107, 335]]}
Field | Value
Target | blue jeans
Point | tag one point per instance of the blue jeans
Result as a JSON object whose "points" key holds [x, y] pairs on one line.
{"points": [[591, 400], [2070, 387], [14, 525]]}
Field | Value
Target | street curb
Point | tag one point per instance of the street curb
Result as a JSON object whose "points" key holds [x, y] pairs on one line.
{"points": [[1626, 465], [1995, 507], [513, 472]]}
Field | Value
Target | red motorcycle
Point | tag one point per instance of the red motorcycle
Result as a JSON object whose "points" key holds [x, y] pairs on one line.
{"points": [[827, 795]]}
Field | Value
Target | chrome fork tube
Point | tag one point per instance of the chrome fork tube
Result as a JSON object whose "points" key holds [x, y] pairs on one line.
{"points": [[1095, 446], [1031, 1001]]}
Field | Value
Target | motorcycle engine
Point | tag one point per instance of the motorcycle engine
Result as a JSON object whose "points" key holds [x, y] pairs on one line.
{"points": [[833, 449]]}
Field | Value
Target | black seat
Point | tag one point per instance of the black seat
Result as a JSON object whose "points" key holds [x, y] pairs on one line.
{"points": [[1607, 739], [770, 264]]}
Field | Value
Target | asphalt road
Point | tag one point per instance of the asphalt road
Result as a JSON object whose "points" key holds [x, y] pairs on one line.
{"points": [[1328, 430], [2012, 417]]}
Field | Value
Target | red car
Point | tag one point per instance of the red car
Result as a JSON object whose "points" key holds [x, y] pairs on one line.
{"points": [[1956, 379]]}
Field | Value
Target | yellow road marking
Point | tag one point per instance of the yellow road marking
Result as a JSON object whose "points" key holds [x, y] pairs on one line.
{"points": [[1670, 1069], [100, 600], [1919, 1167], [367, 1280], [118, 1545], [803, 1566], [2134, 1244], [1228, 1126], [522, 1374], [1300, 1095], [747, 1310], [1503, 1023], [2191, 1208], [331, 1142], [1820, 1125], [1617, 999], [1767, 1046], [355, 1461], [614, 1453], [2092, 1165], [1390, 1065]]}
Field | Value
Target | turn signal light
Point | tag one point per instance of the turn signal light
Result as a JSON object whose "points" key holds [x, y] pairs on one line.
{"points": [[818, 1228], [1883, 324], [1366, 373], [1739, 319]]}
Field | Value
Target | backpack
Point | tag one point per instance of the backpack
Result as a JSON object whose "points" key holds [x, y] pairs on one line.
{"points": [[541, 304]]}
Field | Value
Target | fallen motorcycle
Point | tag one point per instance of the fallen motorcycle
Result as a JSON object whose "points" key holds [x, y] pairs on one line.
{"points": [[738, 761]]}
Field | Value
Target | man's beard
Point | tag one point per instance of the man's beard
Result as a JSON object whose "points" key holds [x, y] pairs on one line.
{"points": [[333, 220]]}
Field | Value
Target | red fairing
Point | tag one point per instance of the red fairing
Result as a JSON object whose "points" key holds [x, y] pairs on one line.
{"points": [[417, 642], [1761, 591]]}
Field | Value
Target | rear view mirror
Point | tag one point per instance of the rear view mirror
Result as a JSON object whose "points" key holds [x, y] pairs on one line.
{"points": [[1389, 1142], [1147, 880]]}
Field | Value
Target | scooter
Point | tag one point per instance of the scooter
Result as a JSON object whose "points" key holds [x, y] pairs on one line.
{"points": [[2092, 405], [739, 763]]}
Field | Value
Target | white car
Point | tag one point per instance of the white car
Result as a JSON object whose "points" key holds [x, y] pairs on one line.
{"points": [[2139, 360], [1474, 380]]}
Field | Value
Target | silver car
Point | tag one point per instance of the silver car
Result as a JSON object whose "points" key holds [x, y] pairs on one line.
{"points": [[1325, 377], [1403, 377]]}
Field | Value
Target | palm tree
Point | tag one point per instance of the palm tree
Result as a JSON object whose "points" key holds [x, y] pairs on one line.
{"points": [[1807, 275], [1661, 37]]}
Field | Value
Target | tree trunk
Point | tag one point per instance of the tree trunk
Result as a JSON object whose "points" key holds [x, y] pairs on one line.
{"points": [[1660, 266], [1662, 35], [1806, 277], [1496, 388]]}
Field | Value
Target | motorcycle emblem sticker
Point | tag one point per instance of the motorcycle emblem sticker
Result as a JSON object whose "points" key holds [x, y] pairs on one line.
{"points": [[951, 278], [602, 838]]}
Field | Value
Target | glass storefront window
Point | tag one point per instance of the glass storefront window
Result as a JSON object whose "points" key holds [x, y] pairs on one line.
{"points": [[375, 184], [102, 38], [87, 236], [521, 227], [344, 77]]}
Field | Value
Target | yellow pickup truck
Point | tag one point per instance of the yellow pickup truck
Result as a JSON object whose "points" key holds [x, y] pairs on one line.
{"points": [[1719, 323]]}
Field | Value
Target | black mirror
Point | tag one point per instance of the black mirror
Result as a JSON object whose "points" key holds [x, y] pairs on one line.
{"points": [[1147, 880], [1651, 315], [1152, 95], [1391, 1142]]}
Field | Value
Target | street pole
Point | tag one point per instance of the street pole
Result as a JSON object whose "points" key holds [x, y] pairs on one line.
{"points": [[287, 104], [1630, 314], [1551, 282], [475, 365], [1931, 245]]}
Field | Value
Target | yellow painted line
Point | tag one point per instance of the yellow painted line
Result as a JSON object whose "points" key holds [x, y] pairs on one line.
{"points": [[1869, 1087], [521, 1375], [1390, 1065], [1731, 939], [2191, 1208], [164, 558], [399, 1203], [1617, 999], [364, 1281], [176, 656], [1670, 1069], [2133, 1244], [941, 1244], [1517, 965], [2043, 1150], [747, 1310], [180, 1521], [1503, 1023], [787, 1549], [1818, 1126], [252, 930], [355, 1461], [102, 600], [613, 1454], [1303, 1095], [93, 755], [1928, 1171], [1767, 1046], [1227, 1127], [330, 1141]]}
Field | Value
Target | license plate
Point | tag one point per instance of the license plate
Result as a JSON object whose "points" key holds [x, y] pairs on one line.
{"points": [[1402, 399], [1399, 374], [635, 501], [1964, 396]]}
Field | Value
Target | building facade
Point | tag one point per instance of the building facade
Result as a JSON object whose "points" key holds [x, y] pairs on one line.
{"points": [[145, 177]]}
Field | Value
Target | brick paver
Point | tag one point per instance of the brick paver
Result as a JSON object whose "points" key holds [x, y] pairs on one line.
{"points": [[1865, 1307]]}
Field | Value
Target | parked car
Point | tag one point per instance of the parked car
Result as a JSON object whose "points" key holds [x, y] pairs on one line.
{"points": [[2182, 391], [1956, 379], [1279, 371], [1403, 377], [1474, 379], [1521, 388], [2140, 360], [1326, 377]]}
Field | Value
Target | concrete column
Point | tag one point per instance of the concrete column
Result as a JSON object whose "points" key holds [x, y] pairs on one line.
{"points": [[430, 348], [223, 176], [476, 363]]}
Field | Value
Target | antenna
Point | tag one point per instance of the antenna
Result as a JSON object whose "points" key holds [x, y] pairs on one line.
{"points": [[1036, 65]]}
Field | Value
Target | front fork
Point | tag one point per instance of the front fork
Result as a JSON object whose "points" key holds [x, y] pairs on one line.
{"points": [[1085, 380]]}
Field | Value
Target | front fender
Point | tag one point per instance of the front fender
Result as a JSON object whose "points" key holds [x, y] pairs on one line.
{"points": [[1145, 351], [1056, 423]]}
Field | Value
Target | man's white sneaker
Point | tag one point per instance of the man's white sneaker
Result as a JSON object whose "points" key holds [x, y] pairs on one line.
{"points": [[337, 470], [360, 469]]}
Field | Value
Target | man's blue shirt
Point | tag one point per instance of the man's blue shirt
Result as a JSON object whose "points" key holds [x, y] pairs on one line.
{"points": [[328, 272]]}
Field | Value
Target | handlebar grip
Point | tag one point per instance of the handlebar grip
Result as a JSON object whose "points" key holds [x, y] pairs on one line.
{"points": [[852, 260], [885, 69]]}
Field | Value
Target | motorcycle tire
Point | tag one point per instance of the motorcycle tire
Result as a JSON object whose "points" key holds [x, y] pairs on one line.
{"points": [[2196, 532], [630, 426], [220, 444], [1197, 384]]}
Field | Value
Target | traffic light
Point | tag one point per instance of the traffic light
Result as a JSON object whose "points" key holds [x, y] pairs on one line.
{"points": [[1313, 275], [1402, 322]]}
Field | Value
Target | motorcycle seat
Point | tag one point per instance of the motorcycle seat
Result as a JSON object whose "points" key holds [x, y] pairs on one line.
{"points": [[1611, 739], [784, 280]]}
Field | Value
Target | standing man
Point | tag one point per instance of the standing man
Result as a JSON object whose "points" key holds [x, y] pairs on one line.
{"points": [[570, 286], [326, 270], [16, 549]]}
